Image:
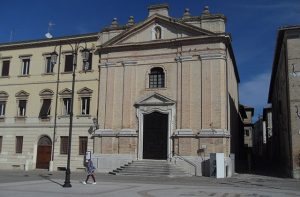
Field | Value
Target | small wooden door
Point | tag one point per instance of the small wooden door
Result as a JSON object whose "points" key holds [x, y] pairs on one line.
{"points": [[44, 153]]}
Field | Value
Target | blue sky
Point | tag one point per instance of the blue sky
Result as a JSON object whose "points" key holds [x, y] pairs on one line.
{"points": [[252, 24]]}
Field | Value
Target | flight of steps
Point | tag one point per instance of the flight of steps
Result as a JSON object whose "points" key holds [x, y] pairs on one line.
{"points": [[149, 168]]}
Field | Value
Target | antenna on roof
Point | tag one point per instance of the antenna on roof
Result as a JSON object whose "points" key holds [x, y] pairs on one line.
{"points": [[48, 34]]}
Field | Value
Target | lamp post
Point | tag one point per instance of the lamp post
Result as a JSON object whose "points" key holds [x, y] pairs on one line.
{"points": [[85, 56]]}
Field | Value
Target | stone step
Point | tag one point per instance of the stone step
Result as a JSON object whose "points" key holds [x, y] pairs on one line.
{"points": [[149, 168]]}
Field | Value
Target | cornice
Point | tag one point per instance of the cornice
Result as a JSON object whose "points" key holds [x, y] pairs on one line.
{"points": [[49, 42], [162, 43]]}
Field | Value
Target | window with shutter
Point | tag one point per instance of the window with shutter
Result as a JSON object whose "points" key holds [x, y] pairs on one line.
{"points": [[22, 107], [45, 109], [83, 145], [5, 68], [19, 144], [68, 63], [64, 141]]}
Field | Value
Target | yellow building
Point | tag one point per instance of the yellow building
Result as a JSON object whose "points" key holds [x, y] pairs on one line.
{"points": [[35, 98]]}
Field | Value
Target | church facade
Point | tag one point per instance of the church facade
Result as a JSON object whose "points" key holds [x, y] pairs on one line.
{"points": [[162, 89], [167, 87]]}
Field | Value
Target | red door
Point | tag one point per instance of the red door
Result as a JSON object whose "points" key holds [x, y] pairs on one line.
{"points": [[44, 153], [43, 156]]}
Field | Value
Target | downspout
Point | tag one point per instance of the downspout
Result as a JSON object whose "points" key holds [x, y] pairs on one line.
{"points": [[181, 90], [98, 96], [201, 103], [55, 113], [288, 109], [227, 95], [105, 100], [123, 91]]}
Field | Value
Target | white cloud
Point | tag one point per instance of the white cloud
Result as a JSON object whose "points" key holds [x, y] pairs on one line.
{"points": [[254, 93]]}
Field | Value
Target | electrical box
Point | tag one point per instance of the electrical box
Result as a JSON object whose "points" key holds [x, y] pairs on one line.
{"points": [[217, 165]]}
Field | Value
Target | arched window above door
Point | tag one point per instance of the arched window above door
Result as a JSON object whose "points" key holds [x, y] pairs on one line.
{"points": [[157, 78]]}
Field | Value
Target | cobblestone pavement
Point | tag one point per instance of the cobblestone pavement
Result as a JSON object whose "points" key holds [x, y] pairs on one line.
{"points": [[43, 183]]}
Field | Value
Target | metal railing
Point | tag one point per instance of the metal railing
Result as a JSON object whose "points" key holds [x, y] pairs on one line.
{"points": [[185, 160]]}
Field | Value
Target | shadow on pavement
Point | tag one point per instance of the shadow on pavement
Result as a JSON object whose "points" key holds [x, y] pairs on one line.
{"points": [[46, 177]]}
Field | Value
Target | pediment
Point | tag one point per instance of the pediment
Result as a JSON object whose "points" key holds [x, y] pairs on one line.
{"points": [[85, 90], [3, 95], [65, 91], [22, 93], [46, 92], [145, 31], [154, 99]]}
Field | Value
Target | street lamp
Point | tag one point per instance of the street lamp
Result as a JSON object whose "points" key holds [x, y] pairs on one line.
{"points": [[85, 57]]}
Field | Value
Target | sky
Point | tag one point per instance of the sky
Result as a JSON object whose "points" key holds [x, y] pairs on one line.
{"points": [[252, 24]]}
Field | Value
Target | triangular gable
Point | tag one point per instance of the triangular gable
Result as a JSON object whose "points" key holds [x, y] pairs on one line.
{"points": [[170, 29], [154, 99]]}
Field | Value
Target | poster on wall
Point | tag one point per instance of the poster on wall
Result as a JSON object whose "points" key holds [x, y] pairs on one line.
{"points": [[88, 155]]}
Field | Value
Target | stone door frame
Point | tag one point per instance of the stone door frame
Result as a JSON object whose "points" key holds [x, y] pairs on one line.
{"points": [[155, 103]]}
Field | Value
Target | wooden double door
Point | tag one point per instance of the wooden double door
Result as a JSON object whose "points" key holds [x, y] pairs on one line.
{"points": [[155, 136], [44, 153]]}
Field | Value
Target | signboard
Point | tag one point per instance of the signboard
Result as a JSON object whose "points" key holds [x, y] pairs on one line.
{"points": [[88, 155]]}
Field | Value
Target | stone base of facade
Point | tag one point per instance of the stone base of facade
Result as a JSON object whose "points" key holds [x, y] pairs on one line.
{"points": [[199, 166], [296, 174], [108, 162]]}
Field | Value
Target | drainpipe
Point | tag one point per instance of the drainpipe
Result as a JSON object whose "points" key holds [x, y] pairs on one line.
{"points": [[288, 110], [201, 104], [98, 97], [227, 96]]}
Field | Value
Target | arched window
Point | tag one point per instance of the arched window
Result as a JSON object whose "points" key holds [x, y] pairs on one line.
{"points": [[157, 78]]}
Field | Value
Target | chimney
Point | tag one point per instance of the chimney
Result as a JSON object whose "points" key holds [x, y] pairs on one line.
{"points": [[162, 9]]}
